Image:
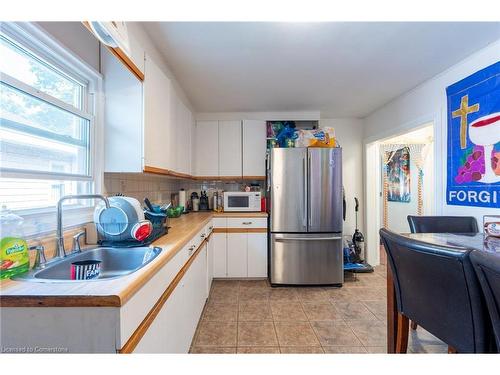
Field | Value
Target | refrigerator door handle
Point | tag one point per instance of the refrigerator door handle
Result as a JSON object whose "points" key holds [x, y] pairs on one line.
{"points": [[307, 239], [268, 171], [304, 201], [309, 169]]}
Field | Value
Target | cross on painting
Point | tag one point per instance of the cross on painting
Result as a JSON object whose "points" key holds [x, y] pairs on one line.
{"points": [[462, 112], [474, 139]]}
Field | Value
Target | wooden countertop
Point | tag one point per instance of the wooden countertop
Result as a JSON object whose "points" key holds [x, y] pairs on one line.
{"points": [[115, 292]]}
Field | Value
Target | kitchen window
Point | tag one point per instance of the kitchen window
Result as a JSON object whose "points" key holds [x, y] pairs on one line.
{"points": [[47, 123]]}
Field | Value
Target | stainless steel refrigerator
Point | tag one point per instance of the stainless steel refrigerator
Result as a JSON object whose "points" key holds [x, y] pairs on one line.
{"points": [[305, 226]]}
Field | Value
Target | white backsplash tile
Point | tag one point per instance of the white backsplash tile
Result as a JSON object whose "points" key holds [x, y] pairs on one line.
{"points": [[159, 188]]}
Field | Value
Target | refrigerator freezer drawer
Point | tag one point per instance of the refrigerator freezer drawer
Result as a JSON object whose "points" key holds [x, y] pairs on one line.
{"points": [[307, 259]]}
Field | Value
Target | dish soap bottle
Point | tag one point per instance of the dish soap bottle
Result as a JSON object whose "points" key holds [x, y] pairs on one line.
{"points": [[14, 258]]}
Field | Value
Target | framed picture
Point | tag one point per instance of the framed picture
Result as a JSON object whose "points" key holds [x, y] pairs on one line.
{"points": [[398, 175], [474, 140]]}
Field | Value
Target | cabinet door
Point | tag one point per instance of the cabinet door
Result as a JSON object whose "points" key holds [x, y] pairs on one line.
{"points": [[136, 47], [210, 263], [229, 148], [184, 140], [254, 148], [168, 331], [123, 116], [172, 145], [237, 255], [206, 148], [257, 254], [219, 254], [157, 126], [195, 281]]}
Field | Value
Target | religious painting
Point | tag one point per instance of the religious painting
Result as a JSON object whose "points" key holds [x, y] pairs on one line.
{"points": [[473, 162], [398, 175]]}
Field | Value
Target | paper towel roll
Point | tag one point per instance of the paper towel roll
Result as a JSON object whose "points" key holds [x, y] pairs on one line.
{"points": [[182, 198]]}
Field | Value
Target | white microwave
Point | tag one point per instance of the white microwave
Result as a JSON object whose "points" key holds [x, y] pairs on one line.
{"points": [[242, 201]]}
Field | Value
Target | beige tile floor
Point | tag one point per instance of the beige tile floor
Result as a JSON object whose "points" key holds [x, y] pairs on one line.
{"points": [[251, 317]]}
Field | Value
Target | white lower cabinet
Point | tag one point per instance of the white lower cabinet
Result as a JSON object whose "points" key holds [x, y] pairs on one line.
{"points": [[237, 255], [195, 284], [210, 263], [257, 254], [165, 335], [173, 328], [240, 250], [219, 254]]}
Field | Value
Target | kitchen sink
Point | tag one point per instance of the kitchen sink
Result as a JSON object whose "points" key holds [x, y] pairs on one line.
{"points": [[115, 262]]}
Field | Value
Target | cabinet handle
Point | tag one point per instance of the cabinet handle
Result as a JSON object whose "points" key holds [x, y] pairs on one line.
{"points": [[247, 223], [210, 228], [203, 235]]}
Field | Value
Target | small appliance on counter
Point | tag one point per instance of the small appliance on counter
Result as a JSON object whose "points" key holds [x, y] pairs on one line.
{"points": [[195, 201], [245, 201], [182, 200], [204, 201], [126, 224], [217, 205]]}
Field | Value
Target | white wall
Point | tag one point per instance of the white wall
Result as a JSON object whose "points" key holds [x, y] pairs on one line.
{"points": [[428, 102], [349, 133]]}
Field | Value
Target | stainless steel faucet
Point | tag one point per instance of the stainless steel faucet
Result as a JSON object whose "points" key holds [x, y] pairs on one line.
{"points": [[60, 252]]}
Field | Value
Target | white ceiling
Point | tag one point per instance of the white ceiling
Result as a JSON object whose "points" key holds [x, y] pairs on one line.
{"points": [[341, 69]]}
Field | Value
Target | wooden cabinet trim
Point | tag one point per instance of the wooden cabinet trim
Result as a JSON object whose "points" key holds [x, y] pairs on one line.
{"points": [[171, 173], [141, 330], [122, 56], [166, 172], [240, 230], [129, 64], [260, 178]]}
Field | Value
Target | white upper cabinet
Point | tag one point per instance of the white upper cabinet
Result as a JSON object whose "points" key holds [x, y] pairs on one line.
{"points": [[158, 129], [136, 53], [241, 148], [229, 148], [183, 139], [122, 116], [171, 146], [254, 147], [206, 148], [146, 124]]}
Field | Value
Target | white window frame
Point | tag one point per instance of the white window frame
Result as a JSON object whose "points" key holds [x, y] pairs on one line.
{"points": [[34, 38]]}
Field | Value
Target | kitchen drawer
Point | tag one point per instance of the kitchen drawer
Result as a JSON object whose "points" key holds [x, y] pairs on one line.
{"points": [[249, 222], [219, 222], [208, 228], [194, 243]]}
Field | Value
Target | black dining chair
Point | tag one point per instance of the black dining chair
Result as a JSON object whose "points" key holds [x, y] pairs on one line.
{"points": [[441, 224], [487, 266], [437, 287]]}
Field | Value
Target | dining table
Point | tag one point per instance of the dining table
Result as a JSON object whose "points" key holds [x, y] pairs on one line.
{"points": [[462, 242]]}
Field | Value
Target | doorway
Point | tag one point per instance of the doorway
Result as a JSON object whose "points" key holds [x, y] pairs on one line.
{"points": [[399, 182]]}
